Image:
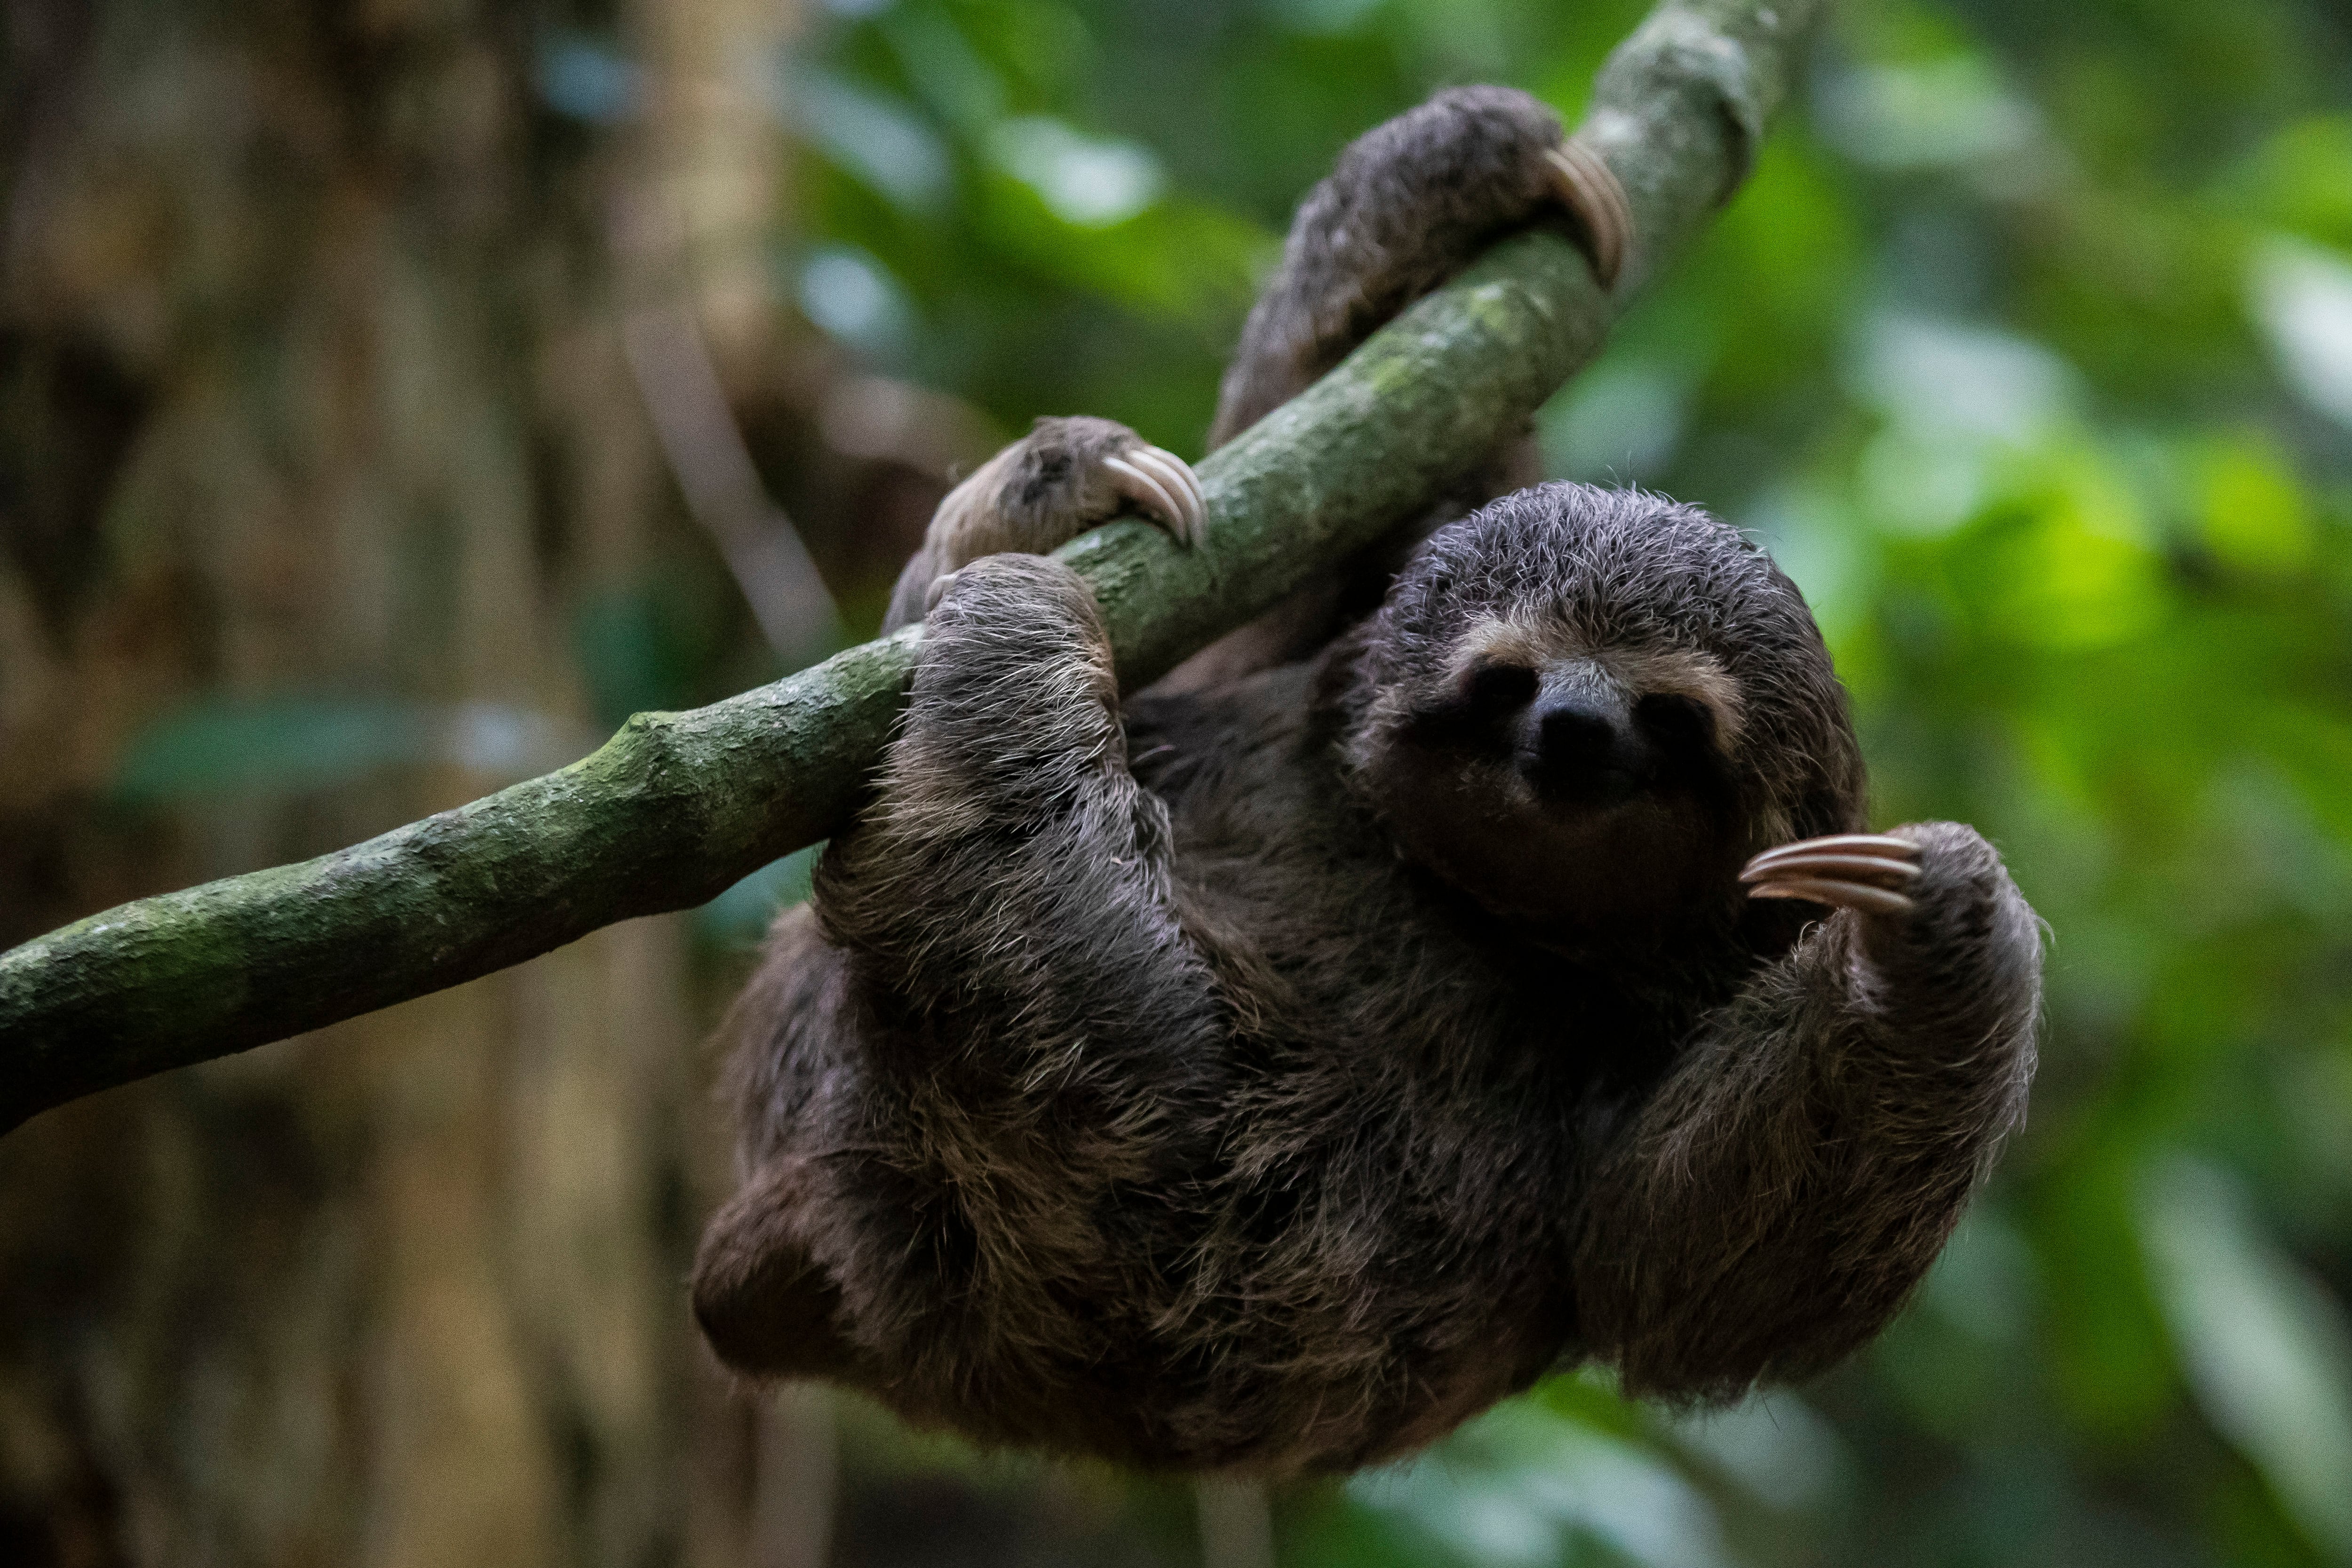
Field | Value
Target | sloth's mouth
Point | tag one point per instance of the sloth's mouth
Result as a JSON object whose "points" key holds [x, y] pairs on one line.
{"points": [[1585, 786]]}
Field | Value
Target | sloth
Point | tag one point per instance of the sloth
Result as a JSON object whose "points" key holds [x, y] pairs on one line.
{"points": [[1267, 1072]]}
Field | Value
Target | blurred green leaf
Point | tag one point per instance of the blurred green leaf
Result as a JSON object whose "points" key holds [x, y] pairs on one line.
{"points": [[289, 746], [739, 917], [1522, 1486], [2268, 1351]]}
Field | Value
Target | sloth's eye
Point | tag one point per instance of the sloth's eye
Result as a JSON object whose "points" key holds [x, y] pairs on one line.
{"points": [[1496, 689], [1680, 723], [1478, 709]]}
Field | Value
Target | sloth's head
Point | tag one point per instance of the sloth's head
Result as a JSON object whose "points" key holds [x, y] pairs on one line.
{"points": [[1588, 707]]}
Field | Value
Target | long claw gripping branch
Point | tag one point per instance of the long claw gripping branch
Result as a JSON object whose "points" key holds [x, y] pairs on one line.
{"points": [[1587, 188], [1146, 490], [1180, 475], [1162, 484]]}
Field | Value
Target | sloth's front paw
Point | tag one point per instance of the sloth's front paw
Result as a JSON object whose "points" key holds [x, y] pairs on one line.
{"points": [[1074, 473], [1065, 477], [1867, 871]]}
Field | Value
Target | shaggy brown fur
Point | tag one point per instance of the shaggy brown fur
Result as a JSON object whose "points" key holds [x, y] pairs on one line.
{"points": [[1409, 202], [1273, 1076]]}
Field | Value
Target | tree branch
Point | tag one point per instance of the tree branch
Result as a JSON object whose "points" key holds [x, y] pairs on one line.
{"points": [[677, 806]]}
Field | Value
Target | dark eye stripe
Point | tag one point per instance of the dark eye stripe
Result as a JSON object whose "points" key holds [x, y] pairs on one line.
{"points": [[1497, 688], [1677, 720]]}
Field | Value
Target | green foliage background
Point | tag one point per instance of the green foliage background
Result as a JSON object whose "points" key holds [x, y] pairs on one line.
{"points": [[2029, 351]]}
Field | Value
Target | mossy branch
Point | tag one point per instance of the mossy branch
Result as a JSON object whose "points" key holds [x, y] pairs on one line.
{"points": [[677, 806]]}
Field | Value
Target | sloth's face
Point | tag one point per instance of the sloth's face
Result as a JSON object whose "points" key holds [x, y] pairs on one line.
{"points": [[1564, 780], [1587, 708]]}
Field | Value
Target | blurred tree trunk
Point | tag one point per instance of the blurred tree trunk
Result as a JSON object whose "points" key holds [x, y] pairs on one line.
{"points": [[694, 229], [310, 384]]}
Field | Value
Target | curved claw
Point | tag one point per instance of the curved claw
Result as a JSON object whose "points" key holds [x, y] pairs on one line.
{"points": [[1146, 491], [1844, 871], [1838, 894], [1874, 846], [1589, 188], [1849, 867], [1162, 484], [1188, 492]]}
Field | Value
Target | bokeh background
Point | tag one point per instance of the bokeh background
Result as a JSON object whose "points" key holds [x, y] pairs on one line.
{"points": [[397, 393]]}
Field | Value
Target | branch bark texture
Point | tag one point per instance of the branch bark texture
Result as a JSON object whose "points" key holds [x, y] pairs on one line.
{"points": [[677, 806]]}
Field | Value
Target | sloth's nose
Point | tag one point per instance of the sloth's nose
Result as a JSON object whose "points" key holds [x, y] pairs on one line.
{"points": [[1584, 747], [1580, 732]]}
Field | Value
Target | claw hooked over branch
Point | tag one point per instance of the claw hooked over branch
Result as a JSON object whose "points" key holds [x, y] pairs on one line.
{"points": [[1587, 187], [1163, 485]]}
